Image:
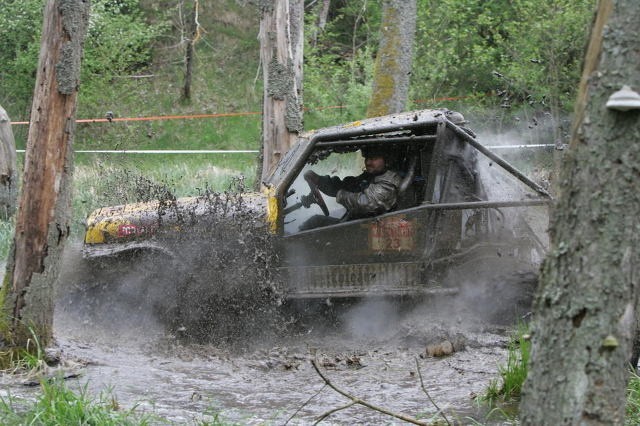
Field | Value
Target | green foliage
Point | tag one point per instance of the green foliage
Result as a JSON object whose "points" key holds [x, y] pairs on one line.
{"points": [[20, 26], [119, 41], [351, 26], [528, 50], [60, 405], [329, 85], [514, 373]]}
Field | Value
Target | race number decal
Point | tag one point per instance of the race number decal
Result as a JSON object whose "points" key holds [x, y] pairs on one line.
{"points": [[392, 234]]}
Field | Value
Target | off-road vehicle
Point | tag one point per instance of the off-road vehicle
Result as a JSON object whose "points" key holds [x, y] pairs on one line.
{"points": [[463, 214]]}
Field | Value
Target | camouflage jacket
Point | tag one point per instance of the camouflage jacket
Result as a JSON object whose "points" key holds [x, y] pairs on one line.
{"points": [[364, 195]]}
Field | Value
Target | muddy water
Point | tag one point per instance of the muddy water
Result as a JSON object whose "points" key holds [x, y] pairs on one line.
{"points": [[273, 382], [368, 349]]}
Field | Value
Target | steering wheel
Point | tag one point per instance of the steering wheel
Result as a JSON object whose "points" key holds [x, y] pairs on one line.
{"points": [[317, 196]]}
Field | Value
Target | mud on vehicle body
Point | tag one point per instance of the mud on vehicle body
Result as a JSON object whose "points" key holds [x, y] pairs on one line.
{"points": [[446, 224]]}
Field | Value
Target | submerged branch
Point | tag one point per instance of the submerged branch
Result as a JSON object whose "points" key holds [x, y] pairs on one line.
{"points": [[362, 402], [335, 410], [305, 404], [424, 389]]}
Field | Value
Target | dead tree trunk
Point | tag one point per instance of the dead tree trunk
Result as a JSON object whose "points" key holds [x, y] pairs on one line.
{"points": [[585, 308], [8, 168], [281, 42], [321, 21], [393, 61], [193, 30], [42, 223]]}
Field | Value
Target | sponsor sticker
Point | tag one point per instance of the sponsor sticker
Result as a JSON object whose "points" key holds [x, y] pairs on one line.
{"points": [[392, 234], [131, 230]]}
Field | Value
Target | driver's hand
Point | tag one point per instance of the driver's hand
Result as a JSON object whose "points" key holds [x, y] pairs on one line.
{"points": [[311, 176], [307, 200]]}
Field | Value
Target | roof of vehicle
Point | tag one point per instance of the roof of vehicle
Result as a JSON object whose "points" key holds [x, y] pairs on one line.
{"points": [[376, 130]]}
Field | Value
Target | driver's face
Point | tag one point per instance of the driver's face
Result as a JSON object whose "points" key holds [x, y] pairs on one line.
{"points": [[374, 165]]}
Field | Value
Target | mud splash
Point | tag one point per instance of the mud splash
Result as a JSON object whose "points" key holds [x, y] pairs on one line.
{"points": [[256, 366]]}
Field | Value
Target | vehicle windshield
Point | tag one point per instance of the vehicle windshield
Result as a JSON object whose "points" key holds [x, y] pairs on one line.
{"points": [[339, 165]]}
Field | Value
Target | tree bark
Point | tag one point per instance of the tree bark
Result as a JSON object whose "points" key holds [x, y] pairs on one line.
{"points": [[8, 168], [42, 222], [393, 61], [281, 49], [586, 304]]}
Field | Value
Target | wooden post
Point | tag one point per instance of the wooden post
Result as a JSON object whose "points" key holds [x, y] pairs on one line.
{"points": [[42, 222]]}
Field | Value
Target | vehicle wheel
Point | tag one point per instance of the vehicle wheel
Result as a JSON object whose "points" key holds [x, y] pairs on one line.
{"points": [[493, 289]]}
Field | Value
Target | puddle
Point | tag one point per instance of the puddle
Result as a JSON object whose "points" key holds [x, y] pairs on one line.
{"points": [[273, 381]]}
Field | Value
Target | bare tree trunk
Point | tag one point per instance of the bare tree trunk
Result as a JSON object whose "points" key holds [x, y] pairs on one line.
{"points": [[281, 42], [193, 30], [393, 61], [586, 303], [323, 14], [8, 168], [42, 223]]}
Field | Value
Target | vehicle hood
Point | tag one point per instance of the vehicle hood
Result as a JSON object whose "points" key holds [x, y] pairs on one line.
{"points": [[139, 221]]}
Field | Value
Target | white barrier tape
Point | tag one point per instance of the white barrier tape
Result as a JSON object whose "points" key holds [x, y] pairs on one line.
{"points": [[246, 151], [533, 145]]}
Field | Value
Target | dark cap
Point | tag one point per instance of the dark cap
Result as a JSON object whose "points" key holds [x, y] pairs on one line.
{"points": [[374, 151]]}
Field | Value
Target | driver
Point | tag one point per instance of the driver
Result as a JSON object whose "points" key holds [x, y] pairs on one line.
{"points": [[373, 192]]}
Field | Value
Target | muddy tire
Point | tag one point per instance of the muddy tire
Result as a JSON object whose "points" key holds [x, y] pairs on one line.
{"points": [[507, 299], [495, 290]]}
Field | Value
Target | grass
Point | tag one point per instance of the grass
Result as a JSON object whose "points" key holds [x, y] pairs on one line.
{"points": [[29, 360], [59, 405], [632, 411], [506, 390], [117, 179], [513, 374], [56, 404]]}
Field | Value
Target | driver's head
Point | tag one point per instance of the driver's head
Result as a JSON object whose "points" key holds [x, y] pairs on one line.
{"points": [[374, 160]]}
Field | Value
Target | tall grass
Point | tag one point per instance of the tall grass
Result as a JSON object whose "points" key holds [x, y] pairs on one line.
{"points": [[59, 405], [514, 372]]}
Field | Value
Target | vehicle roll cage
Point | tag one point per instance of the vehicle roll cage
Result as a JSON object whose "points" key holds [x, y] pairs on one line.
{"points": [[420, 128]]}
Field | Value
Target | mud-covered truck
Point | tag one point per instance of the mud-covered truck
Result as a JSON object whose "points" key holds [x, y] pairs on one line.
{"points": [[462, 214]]}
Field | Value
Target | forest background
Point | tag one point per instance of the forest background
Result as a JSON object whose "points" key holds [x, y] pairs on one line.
{"points": [[506, 64]]}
